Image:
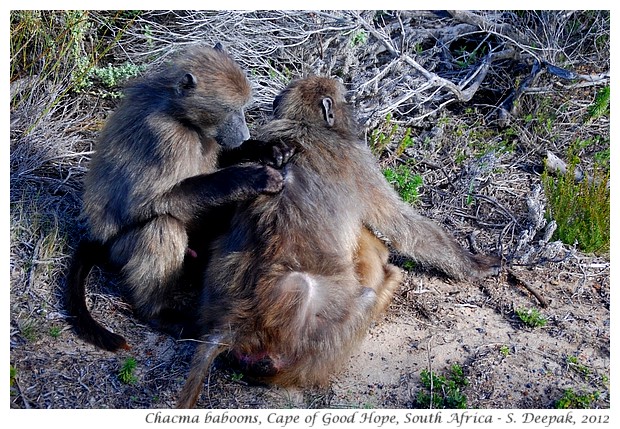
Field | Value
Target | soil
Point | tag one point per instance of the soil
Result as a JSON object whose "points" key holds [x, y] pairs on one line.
{"points": [[432, 324]]}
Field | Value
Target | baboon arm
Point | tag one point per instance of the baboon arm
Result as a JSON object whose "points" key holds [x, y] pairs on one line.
{"points": [[194, 195], [422, 239], [273, 153]]}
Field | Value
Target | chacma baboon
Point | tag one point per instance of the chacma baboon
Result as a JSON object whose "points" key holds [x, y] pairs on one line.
{"points": [[293, 284], [156, 172]]}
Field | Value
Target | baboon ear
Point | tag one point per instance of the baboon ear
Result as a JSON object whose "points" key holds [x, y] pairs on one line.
{"points": [[188, 81], [328, 111], [218, 47]]}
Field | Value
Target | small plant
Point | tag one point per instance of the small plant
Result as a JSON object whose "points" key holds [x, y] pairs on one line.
{"points": [[581, 210], [405, 143], [531, 317], [127, 372], [386, 133], [404, 181], [359, 38], [13, 375], [409, 265], [504, 350], [236, 376], [600, 107], [383, 135], [55, 331], [443, 391], [48, 43], [602, 157], [28, 329], [575, 365], [572, 400], [113, 76], [110, 77]]}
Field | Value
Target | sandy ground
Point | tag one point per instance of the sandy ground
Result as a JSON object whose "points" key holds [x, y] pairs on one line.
{"points": [[432, 324]]}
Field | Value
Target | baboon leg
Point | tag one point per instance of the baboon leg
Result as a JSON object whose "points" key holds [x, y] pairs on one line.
{"points": [[152, 259], [430, 244], [374, 271], [318, 320], [305, 302], [370, 258], [294, 301], [392, 280], [420, 238]]}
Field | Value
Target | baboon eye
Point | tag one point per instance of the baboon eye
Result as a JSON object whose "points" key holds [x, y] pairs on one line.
{"points": [[188, 81]]}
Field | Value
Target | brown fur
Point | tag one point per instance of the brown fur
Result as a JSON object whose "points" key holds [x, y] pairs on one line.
{"points": [[296, 281], [156, 174]]}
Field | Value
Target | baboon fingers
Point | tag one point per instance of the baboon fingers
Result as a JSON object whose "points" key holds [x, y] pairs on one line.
{"points": [[275, 153], [281, 154]]}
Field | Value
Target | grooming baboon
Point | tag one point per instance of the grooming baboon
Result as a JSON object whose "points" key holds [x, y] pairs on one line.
{"points": [[295, 281], [156, 172]]}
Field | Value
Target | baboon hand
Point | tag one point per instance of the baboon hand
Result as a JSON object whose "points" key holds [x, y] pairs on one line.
{"points": [[267, 180], [281, 153], [274, 153]]}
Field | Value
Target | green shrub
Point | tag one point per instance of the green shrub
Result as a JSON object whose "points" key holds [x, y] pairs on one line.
{"points": [[386, 133], [127, 372], [382, 135], [580, 209], [404, 181], [113, 76], [55, 331], [504, 350], [28, 328], [531, 317], [600, 107], [13, 375], [572, 400], [360, 37], [61, 47], [48, 44], [443, 391]]}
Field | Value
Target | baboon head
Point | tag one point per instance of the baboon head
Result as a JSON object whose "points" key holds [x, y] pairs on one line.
{"points": [[212, 93], [318, 101]]}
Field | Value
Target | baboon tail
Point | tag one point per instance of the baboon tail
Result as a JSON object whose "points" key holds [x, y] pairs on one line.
{"points": [[86, 256], [204, 355]]}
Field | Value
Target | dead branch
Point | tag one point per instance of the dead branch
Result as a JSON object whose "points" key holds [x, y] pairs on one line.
{"points": [[555, 165], [484, 23], [515, 279]]}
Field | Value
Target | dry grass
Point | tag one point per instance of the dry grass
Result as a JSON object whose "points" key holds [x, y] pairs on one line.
{"points": [[484, 94]]}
